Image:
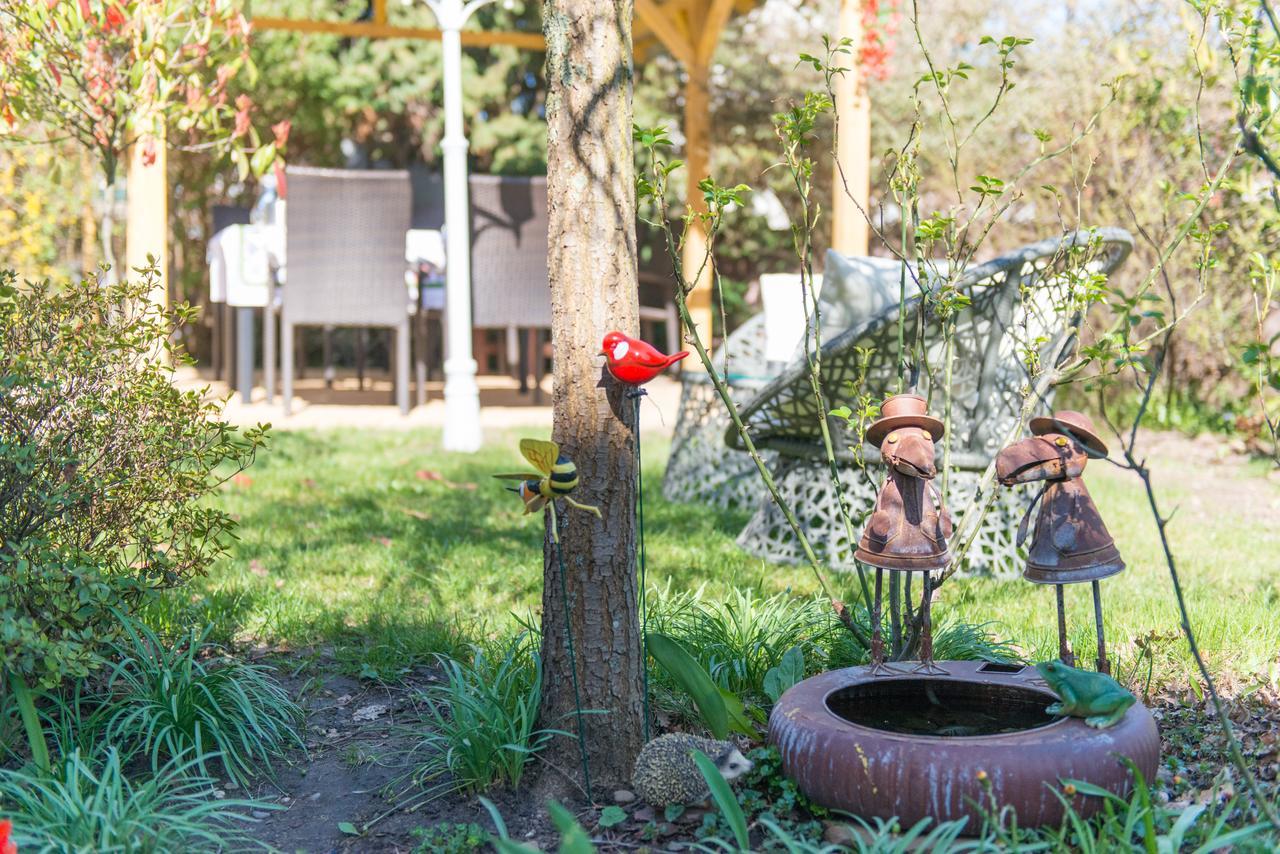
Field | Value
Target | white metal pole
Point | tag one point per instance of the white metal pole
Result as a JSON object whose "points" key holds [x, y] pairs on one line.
{"points": [[461, 395]]}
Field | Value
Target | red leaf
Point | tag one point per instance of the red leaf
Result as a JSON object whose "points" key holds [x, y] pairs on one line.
{"points": [[115, 18], [85, 11], [282, 186], [424, 474], [53, 69], [149, 152]]}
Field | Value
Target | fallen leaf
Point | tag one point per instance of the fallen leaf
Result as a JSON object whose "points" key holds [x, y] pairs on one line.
{"points": [[424, 474], [416, 514], [371, 712], [242, 481], [256, 567]]}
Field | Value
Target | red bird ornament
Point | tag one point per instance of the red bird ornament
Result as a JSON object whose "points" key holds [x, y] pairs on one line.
{"points": [[633, 361]]}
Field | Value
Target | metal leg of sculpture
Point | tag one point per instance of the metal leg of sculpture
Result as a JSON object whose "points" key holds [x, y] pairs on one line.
{"points": [[1104, 666], [878, 667], [1064, 649], [926, 664]]}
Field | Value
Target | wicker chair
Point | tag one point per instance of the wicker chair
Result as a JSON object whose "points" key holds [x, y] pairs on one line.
{"points": [[510, 288], [1024, 306], [345, 245]]}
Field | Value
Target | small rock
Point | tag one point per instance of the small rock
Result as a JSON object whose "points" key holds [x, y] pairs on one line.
{"points": [[644, 814], [260, 814], [314, 797], [666, 829], [622, 796], [837, 833]]}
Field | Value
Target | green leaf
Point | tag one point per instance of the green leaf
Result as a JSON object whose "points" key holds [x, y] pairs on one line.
{"points": [[723, 795], [348, 828], [739, 722], [573, 839], [786, 673], [843, 412], [673, 811], [693, 679], [262, 159], [612, 816]]}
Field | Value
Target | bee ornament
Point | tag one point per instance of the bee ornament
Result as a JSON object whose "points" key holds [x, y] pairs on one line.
{"points": [[556, 477]]}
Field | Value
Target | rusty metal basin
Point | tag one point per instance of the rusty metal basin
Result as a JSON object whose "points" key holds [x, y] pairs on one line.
{"points": [[916, 746]]}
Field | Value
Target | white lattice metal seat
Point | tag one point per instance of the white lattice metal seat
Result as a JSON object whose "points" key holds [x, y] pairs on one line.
{"points": [[1023, 307]]}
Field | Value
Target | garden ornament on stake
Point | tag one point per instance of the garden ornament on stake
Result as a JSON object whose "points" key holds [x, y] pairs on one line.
{"points": [[633, 363], [909, 528], [1070, 543], [555, 478]]}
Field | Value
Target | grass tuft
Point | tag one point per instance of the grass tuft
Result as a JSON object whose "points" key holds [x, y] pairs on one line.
{"points": [[481, 721], [185, 700], [82, 809]]}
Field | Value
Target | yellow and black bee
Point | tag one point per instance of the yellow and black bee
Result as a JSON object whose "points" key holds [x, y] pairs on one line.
{"points": [[556, 477]]}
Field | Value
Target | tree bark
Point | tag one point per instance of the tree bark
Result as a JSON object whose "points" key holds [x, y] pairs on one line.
{"points": [[592, 267]]}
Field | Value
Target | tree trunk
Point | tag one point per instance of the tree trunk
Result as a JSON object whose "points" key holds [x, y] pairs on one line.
{"points": [[592, 267]]}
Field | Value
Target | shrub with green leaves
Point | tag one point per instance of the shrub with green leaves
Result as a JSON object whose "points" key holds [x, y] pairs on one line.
{"points": [[103, 461], [168, 701]]}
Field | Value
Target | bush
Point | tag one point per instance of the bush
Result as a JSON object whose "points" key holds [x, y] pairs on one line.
{"points": [[182, 701], [102, 463], [78, 808]]}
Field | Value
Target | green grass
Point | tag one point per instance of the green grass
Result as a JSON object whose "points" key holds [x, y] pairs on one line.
{"points": [[381, 550]]}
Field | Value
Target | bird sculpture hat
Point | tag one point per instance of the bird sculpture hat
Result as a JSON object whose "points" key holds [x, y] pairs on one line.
{"points": [[903, 410]]}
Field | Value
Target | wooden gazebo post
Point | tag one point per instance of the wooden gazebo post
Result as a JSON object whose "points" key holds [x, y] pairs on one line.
{"points": [[851, 181], [690, 30]]}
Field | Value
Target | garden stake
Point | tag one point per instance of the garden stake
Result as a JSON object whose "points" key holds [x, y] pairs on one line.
{"points": [[1064, 649], [573, 658], [1104, 666], [635, 395], [633, 363], [555, 478]]}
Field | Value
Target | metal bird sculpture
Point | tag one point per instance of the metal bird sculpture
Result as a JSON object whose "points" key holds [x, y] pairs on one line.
{"points": [[556, 477], [1070, 543], [909, 528], [633, 361]]}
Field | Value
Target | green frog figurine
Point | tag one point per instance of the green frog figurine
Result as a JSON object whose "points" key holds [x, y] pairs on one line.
{"points": [[1096, 697]]}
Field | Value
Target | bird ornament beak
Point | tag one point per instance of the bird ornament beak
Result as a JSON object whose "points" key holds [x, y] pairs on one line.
{"points": [[910, 452], [1050, 457]]}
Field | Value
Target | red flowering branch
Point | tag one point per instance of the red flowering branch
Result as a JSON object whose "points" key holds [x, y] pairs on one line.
{"points": [[111, 73], [880, 20]]}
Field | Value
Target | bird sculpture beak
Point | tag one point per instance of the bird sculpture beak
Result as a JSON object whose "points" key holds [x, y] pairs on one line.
{"points": [[911, 455], [1038, 458]]}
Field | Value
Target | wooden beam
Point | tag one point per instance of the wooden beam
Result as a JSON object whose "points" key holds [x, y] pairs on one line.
{"points": [[851, 182], [354, 29], [667, 31], [713, 22], [380, 11], [697, 154]]}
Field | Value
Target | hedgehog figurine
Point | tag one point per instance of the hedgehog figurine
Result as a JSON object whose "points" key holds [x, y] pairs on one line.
{"points": [[666, 773]]}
